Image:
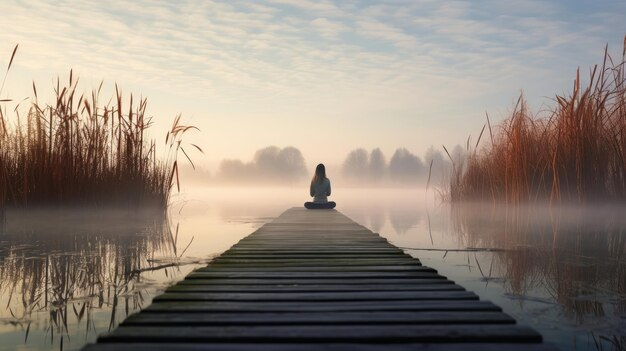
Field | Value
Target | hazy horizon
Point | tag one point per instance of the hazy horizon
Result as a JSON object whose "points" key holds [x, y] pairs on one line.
{"points": [[288, 166]]}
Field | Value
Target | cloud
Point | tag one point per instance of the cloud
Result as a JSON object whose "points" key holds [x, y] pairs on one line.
{"points": [[328, 28], [318, 7], [378, 30], [267, 47]]}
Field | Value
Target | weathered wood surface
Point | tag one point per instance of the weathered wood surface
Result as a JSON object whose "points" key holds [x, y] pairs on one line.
{"points": [[313, 280]]}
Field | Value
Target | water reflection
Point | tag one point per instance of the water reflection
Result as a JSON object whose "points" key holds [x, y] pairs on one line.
{"points": [[60, 269], [402, 220], [576, 255], [561, 270], [377, 220]]}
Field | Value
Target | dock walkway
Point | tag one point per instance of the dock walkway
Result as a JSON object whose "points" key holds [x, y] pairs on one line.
{"points": [[312, 280]]}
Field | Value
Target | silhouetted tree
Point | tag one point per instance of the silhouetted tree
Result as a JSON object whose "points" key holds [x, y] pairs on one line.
{"points": [[291, 163], [405, 167], [441, 164], [266, 161], [355, 166], [377, 165]]}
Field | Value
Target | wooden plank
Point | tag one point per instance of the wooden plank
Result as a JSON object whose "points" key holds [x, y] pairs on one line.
{"points": [[311, 249], [251, 268], [272, 288], [329, 268], [309, 252], [313, 282], [319, 241], [387, 248], [319, 255], [327, 333], [238, 346], [317, 238], [315, 246], [307, 266], [311, 230], [317, 296], [308, 244], [376, 260], [318, 259], [321, 306], [313, 318], [295, 240], [349, 265], [313, 275], [331, 233]]}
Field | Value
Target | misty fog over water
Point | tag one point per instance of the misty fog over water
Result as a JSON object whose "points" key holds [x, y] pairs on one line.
{"points": [[68, 275]]}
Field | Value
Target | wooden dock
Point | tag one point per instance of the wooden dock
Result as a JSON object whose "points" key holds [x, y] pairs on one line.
{"points": [[316, 280]]}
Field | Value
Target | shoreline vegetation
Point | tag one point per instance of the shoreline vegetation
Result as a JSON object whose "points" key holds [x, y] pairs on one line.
{"points": [[78, 151], [575, 152]]}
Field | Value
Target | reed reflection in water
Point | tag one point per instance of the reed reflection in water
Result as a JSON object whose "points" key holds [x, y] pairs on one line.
{"points": [[68, 275], [575, 257]]}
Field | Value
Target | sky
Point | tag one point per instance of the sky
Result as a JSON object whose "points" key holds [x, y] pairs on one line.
{"points": [[323, 76]]}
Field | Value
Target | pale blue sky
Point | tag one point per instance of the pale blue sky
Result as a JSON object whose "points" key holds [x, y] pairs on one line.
{"points": [[323, 76]]}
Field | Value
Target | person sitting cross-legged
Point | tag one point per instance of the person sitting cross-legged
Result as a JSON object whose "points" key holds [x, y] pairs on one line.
{"points": [[320, 190]]}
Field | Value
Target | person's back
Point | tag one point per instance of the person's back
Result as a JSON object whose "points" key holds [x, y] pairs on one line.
{"points": [[320, 190]]}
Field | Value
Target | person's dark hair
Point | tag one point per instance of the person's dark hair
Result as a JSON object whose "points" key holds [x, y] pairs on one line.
{"points": [[320, 174]]}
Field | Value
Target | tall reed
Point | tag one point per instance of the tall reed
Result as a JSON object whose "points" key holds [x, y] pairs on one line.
{"points": [[79, 151], [577, 152]]}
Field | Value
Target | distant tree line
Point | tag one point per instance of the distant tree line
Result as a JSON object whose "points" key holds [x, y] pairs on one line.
{"points": [[285, 166], [269, 165], [404, 167]]}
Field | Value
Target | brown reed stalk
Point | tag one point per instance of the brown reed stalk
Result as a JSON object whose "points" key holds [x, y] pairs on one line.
{"points": [[77, 151], [575, 153]]}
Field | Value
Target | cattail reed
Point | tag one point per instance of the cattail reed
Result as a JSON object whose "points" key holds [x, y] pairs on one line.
{"points": [[78, 151], [575, 153]]}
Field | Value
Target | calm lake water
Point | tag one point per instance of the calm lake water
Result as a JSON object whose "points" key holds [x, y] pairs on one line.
{"points": [[67, 276]]}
